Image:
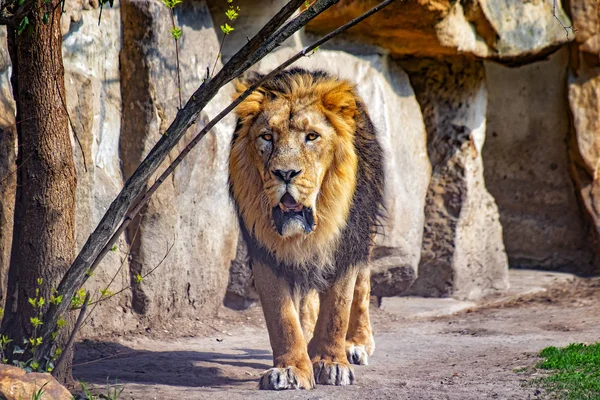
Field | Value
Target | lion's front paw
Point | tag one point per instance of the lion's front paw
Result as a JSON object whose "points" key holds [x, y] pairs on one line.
{"points": [[333, 373], [286, 378], [359, 353]]}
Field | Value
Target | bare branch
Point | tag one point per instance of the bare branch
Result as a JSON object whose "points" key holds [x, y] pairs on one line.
{"points": [[566, 28]]}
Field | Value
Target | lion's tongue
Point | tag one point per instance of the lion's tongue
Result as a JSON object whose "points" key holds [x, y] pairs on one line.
{"points": [[289, 204]]}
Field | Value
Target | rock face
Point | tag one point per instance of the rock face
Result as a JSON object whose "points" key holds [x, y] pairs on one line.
{"points": [[584, 101], [543, 226], [509, 31], [16, 384], [463, 253]]}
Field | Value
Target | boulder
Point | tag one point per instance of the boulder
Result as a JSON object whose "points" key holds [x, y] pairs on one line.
{"points": [[463, 253], [509, 31], [16, 384], [527, 166]]}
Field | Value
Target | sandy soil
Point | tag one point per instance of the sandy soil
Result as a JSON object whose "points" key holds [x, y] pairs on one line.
{"points": [[471, 355]]}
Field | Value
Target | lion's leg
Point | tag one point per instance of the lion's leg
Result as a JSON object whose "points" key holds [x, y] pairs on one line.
{"points": [[327, 349], [292, 366], [309, 311], [359, 339]]}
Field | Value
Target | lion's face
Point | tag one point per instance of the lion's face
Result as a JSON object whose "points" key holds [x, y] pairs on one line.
{"points": [[292, 167], [293, 146]]}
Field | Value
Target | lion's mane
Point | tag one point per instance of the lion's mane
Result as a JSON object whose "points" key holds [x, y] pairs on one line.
{"points": [[350, 201]]}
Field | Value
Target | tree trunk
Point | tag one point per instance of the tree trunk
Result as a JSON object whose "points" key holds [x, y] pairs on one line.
{"points": [[44, 223]]}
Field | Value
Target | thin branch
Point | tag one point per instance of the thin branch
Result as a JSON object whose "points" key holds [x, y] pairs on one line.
{"points": [[177, 58], [94, 303], [61, 359], [209, 75], [566, 28], [14, 171], [64, 104], [143, 277], [269, 37]]}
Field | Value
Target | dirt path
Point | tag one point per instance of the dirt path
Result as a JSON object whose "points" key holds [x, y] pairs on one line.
{"points": [[471, 355]]}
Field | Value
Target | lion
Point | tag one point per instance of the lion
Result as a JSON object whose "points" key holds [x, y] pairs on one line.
{"points": [[306, 179]]}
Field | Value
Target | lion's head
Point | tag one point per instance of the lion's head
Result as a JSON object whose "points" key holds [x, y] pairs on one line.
{"points": [[293, 162]]}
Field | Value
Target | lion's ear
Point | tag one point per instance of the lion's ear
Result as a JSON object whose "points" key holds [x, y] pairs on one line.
{"points": [[340, 100], [251, 104]]}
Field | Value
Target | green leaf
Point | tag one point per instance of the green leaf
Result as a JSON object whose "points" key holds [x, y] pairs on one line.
{"points": [[227, 29], [23, 25], [114, 248], [4, 340], [57, 353], [46, 18], [176, 33], [138, 278], [40, 281], [35, 322], [231, 14]]}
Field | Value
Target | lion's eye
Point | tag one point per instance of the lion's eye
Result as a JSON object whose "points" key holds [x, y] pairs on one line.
{"points": [[312, 136], [267, 137]]}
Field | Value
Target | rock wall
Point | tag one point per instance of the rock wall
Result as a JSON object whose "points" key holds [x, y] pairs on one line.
{"points": [[528, 116], [424, 69]]}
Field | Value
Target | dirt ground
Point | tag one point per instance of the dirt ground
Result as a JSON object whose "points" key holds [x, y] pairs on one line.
{"points": [[469, 355]]}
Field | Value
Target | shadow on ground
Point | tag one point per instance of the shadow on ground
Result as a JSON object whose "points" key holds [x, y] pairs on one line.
{"points": [[106, 362]]}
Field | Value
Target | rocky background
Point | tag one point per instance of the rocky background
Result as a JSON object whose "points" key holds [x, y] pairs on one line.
{"points": [[488, 113]]}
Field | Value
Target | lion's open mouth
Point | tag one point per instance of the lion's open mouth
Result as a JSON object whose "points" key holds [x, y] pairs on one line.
{"points": [[290, 211]]}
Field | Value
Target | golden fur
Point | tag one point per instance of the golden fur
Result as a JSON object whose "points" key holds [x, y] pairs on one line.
{"points": [[305, 149]]}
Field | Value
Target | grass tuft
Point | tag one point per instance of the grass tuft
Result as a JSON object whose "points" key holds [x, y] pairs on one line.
{"points": [[574, 371]]}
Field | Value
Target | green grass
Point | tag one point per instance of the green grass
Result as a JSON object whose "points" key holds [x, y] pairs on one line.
{"points": [[574, 371]]}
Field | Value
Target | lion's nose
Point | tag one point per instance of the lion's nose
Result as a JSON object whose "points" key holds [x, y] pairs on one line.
{"points": [[286, 175]]}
